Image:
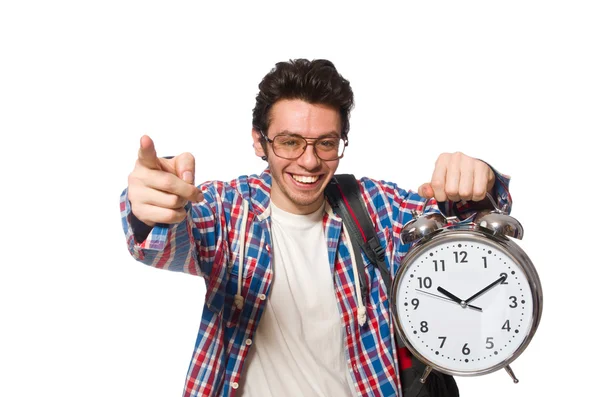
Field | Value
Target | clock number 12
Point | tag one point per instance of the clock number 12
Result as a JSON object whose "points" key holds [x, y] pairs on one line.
{"points": [[463, 255]]}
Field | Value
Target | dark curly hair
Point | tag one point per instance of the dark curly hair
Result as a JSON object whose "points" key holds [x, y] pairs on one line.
{"points": [[316, 82]]}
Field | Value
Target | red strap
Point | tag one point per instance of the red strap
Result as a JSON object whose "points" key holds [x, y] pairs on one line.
{"points": [[352, 214], [405, 360]]}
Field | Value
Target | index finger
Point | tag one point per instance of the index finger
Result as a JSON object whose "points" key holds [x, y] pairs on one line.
{"points": [[438, 180], [147, 153], [170, 183]]}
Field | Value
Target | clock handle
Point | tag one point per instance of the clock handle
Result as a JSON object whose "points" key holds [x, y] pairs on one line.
{"points": [[511, 373], [456, 219], [494, 204]]}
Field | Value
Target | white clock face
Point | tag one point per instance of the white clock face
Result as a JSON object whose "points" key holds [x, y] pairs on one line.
{"points": [[464, 305]]}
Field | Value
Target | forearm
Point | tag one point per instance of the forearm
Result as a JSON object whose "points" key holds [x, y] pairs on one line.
{"points": [[169, 247]]}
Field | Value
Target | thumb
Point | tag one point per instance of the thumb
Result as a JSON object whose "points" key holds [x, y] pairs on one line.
{"points": [[147, 153], [426, 191], [185, 167]]}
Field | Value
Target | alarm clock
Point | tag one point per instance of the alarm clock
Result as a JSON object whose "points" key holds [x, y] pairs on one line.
{"points": [[467, 299]]}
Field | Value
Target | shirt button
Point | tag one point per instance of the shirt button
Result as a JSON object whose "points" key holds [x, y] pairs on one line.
{"points": [[248, 342], [235, 385], [262, 297], [268, 248]]}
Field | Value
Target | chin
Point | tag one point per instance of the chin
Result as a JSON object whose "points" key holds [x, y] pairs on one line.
{"points": [[304, 201]]}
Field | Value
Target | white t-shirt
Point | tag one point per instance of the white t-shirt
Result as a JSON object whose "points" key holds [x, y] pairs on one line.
{"points": [[298, 349]]}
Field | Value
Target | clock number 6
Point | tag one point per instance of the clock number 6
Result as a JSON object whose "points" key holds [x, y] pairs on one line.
{"points": [[466, 351]]}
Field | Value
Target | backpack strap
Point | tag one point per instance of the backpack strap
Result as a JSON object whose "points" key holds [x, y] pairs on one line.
{"points": [[343, 193]]}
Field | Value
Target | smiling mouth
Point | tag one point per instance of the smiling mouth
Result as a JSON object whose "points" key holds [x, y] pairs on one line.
{"points": [[306, 180]]}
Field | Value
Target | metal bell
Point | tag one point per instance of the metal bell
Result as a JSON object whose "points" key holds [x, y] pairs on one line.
{"points": [[421, 225], [499, 222]]}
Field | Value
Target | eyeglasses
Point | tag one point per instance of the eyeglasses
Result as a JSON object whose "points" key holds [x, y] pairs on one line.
{"points": [[291, 147]]}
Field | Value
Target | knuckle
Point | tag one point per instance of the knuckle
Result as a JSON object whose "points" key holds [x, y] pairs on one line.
{"points": [[442, 158], [138, 177], [458, 159], [176, 216], [139, 211], [133, 197], [166, 182], [437, 184], [172, 201], [134, 180], [470, 161], [478, 194], [452, 192], [465, 193], [133, 192], [131, 179]]}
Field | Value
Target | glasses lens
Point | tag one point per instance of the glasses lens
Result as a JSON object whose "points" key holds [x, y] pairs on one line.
{"points": [[329, 148], [288, 146], [293, 146]]}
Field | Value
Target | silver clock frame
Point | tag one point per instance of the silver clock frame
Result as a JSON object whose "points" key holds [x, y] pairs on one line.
{"points": [[505, 245]]}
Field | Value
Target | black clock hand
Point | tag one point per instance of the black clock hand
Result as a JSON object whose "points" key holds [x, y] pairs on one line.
{"points": [[451, 296], [443, 297], [486, 289]]}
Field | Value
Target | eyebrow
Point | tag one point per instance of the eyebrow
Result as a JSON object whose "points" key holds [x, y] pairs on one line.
{"points": [[334, 134]]}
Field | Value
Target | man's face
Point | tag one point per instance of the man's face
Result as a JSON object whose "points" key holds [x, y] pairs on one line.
{"points": [[298, 184]]}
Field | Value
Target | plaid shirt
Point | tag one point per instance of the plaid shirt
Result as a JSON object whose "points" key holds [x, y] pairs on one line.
{"points": [[207, 243]]}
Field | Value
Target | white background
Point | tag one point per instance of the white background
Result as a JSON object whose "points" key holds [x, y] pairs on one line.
{"points": [[515, 83]]}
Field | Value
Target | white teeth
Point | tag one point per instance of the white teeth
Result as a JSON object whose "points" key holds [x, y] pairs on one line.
{"points": [[305, 179]]}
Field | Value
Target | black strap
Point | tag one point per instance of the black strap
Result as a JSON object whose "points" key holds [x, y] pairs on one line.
{"points": [[345, 198], [343, 193]]}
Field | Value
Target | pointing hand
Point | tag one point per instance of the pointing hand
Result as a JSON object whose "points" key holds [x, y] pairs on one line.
{"points": [[159, 188]]}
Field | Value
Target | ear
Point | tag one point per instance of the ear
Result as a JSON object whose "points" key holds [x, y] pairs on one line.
{"points": [[258, 148]]}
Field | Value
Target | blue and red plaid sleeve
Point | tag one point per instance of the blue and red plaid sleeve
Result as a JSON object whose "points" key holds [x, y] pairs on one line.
{"points": [[188, 246]]}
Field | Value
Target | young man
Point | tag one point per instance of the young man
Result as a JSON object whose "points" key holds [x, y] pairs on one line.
{"points": [[284, 313]]}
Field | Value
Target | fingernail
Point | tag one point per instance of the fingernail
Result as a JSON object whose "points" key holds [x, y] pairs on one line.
{"points": [[199, 197], [188, 177]]}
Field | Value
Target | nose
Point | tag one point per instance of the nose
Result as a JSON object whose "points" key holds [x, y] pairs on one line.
{"points": [[309, 159]]}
